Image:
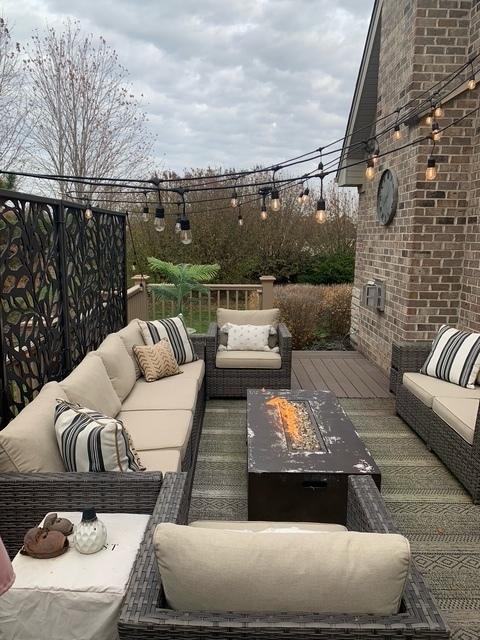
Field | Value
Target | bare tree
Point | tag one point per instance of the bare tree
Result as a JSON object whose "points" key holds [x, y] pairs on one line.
{"points": [[86, 121], [13, 125]]}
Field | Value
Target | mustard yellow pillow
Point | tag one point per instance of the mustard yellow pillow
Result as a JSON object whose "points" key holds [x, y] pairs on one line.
{"points": [[156, 361]]}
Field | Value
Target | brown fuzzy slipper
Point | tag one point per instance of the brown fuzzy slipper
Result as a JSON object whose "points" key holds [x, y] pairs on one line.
{"points": [[42, 544], [53, 523]]}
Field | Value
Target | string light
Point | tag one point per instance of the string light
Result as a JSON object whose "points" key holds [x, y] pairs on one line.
{"points": [[234, 199], [275, 200], [306, 195], [370, 170], [397, 134], [185, 231], [321, 214], [146, 210], [431, 172], [300, 197], [438, 112], [88, 213], [240, 220], [178, 226], [263, 212], [472, 83], [436, 133], [159, 222]]}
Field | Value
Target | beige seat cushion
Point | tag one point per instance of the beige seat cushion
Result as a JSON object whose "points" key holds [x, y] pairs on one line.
{"points": [[131, 336], [89, 386], [118, 363], [258, 525], [195, 370], [177, 392], [28, 443], [158, 429], [459, 413], [163, 460], [248, 360], [338, 572], [255, 316], [426, 388]]}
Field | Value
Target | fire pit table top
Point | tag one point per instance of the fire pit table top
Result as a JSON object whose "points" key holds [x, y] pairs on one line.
{"points": [[303, 432]]}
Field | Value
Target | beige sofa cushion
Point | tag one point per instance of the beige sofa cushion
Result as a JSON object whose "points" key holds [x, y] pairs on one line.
{"points": [[195, 370], [118, 363], [340, 572], [178, 392], [255, 316], [89, 386], [426, 388], [459, 413], [248, 360], [28, 443], [158, 429], [259, 525], [163, 460], [131, 336]]}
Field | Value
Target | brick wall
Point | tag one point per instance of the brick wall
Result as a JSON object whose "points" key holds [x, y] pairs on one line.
{"points": [[429, 255]]}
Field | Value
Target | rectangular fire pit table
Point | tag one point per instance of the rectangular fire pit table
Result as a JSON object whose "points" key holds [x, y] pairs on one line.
{"points": [[301, 449]]}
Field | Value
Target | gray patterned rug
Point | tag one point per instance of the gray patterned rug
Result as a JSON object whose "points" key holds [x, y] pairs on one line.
{"points": [[427, 503]]}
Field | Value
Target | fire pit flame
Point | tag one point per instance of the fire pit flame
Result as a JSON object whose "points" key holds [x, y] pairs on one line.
{"points": [[296, 422]]}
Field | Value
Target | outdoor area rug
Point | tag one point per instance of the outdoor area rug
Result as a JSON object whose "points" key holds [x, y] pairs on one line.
{"points": [[429, 506]]}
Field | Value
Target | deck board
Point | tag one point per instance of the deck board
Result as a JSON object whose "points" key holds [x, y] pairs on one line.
{"points": [[348, 374]]}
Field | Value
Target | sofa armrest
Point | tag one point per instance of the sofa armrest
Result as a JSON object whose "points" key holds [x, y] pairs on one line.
{"points": [[199, 341], [26, 498], [284, 340], [407, 356], [211, 345], [366, 509]]}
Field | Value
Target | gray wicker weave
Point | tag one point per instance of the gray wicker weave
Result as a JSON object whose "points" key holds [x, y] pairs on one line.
{"points": [[459, 456], [26, 498], [144, 614], [233, 383]]}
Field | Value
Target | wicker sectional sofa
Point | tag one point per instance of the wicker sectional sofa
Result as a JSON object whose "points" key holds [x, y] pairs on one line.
{"points": [[445, 416]]}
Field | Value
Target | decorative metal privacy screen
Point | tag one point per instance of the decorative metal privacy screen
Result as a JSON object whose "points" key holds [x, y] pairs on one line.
{"points": [[62, 287]]}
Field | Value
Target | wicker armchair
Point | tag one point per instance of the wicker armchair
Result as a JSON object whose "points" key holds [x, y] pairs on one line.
{"points": [[462, 458], [26, 498], [233, 383], [144, 614]]}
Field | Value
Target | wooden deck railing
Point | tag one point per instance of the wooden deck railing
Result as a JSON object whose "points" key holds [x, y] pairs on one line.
{"points": [[200, 307]]}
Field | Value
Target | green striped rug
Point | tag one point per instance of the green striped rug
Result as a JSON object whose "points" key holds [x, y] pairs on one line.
{"points": [[427, 503]]}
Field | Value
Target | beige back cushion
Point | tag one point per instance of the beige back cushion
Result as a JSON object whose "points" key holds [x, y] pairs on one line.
{"points": [[341, 572], [119, 365], [89, 386], [256, 317], [28, 443], [132, 336]]}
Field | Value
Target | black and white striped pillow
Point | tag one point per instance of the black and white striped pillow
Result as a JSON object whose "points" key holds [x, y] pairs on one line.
{"points": [[455, 357], [90, 441], [175, 331]]}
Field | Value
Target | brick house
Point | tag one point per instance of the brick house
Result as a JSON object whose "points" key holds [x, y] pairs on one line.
{"points": [[428, 257]]}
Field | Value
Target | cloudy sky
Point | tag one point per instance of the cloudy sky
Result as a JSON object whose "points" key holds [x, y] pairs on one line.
{"points": [[231, 83]]}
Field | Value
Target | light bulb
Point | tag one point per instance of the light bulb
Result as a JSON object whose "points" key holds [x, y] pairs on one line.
{"points": [[375, 160], [234, 200], [438, 112], [88, 213], [159, 221], [263, 213], [178, 226], [397, 134], [275, 200], [471, 84], [300, 197], [370, 170], [185, 232], [240, 220], [436, 133], [306, 195], [429, 119], [431, 172], [321, 214], [134, 267], [146, 211]]}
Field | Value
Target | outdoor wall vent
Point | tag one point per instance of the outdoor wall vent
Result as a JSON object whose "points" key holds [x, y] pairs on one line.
{"points": [[373, 295]]}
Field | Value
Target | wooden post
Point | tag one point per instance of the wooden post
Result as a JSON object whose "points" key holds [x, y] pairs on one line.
{"points": [[138, 302], [267, 291]]}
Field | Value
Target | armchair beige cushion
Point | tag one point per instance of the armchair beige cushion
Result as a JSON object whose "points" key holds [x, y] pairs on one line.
{"points": [[89, 386], [28, 443], [256, 317], [248, 360], [426, 388], [119, 365], [339, 572], [131, 336], [459, 413]]}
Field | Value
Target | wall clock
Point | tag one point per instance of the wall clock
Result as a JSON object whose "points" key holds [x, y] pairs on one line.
{"points": [[387, 197]]}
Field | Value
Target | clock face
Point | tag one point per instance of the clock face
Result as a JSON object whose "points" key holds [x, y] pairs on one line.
{"points": [[387, 197]]}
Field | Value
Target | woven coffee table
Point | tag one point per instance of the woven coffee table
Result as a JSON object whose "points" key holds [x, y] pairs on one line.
{"points": [[301, 449]]}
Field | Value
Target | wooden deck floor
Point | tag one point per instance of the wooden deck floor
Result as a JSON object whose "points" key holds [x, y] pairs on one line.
{"points": [[347, 373]]}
